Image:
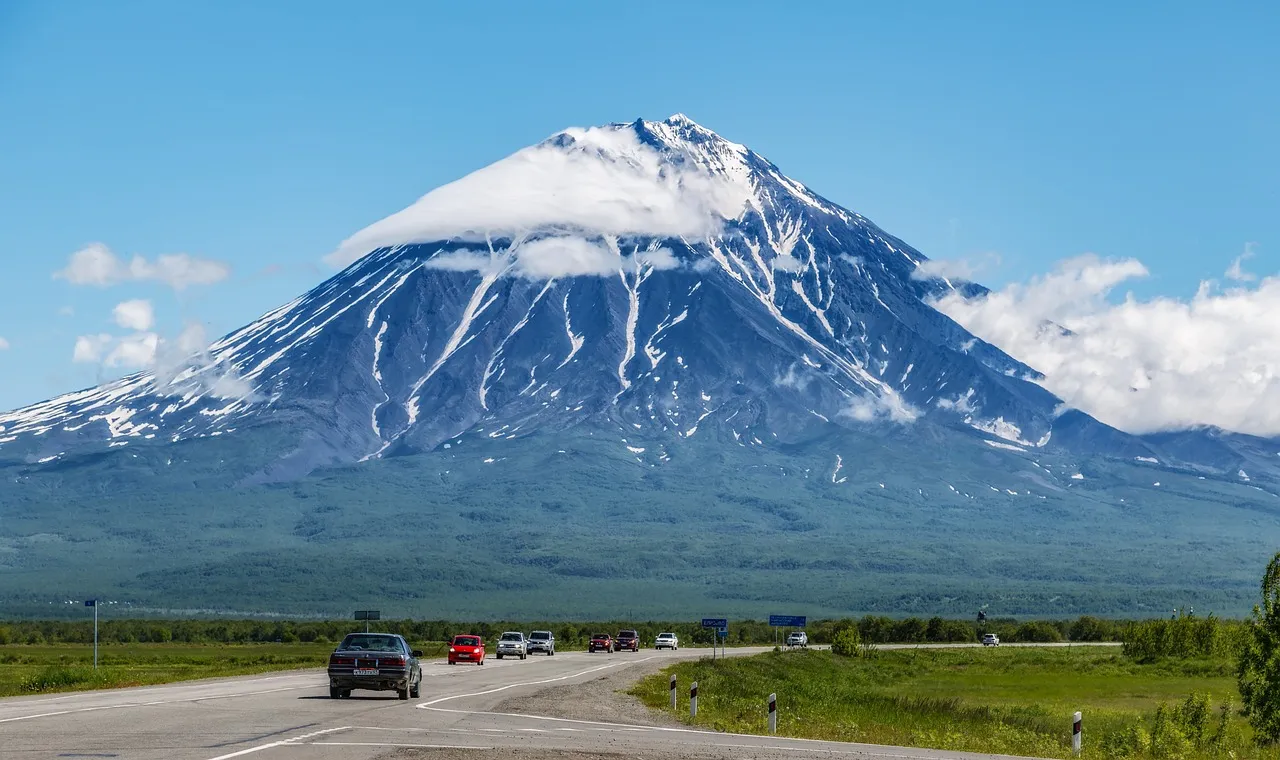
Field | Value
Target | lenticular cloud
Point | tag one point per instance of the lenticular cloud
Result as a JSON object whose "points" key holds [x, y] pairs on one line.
{"points": [[1141, 366], [601, 180]]}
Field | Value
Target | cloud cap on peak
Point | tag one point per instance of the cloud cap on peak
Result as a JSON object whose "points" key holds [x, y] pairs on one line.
{"points": [[595, 180]]}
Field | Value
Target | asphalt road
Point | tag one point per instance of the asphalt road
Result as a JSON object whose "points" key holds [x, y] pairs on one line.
{"points": [[289, 716]]}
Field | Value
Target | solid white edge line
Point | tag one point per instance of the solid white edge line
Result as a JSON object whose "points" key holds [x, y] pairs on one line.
{"points": [[293, 741], [389, 744], [149, 704]]}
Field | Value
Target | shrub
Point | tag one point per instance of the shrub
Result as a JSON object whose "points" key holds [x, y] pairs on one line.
{"points": [[1258, 669], [846, 642], [1088, 628], [1037, 631]]}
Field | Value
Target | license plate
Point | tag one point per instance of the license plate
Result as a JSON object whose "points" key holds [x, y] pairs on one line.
{"points": [[365, 672]]}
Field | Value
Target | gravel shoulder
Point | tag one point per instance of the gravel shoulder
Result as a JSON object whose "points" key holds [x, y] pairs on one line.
{"points": [[602, 698]]}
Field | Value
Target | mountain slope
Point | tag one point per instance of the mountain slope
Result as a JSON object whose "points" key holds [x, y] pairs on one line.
{"points": [[670, 307]]}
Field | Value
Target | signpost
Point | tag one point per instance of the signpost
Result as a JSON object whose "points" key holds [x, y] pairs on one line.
{"points": [[786, 621], [366, 616], [94, 604], [721, 626]]}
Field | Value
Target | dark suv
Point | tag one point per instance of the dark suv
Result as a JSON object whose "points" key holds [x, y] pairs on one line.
{"points": [[627, 640], [376, 662]]}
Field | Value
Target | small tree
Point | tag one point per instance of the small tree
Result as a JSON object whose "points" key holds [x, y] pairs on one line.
{"points": [[846, 642], [1258, 669]]}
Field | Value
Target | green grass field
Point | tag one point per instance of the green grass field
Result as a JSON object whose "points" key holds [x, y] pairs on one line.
{"points": [[1007, 700], [39, 669]]}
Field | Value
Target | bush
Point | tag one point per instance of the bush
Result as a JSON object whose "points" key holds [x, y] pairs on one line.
{"points": [[1037, 631], [1089, 628], [846, 642], [1258, 669]]}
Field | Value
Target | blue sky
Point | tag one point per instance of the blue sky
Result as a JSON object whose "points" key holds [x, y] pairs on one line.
{"points": [[263, 134]]}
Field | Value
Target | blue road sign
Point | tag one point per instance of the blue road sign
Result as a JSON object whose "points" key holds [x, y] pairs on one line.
{"points": [[722, 623], [787, 621]]}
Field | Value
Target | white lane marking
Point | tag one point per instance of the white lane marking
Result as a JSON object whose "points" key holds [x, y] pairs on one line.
{"points": [[150, 704], [389, 744], [428, 705], [293, 741]]}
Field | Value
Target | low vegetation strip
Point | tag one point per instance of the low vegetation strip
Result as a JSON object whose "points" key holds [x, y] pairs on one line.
{"points": [[1005, 700], [69, 667]]}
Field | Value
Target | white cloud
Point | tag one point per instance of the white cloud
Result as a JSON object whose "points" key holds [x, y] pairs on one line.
{"points": [[90, 348], [954, 269], [135, 315], [787, 263], [97, 265], [134, 351], [183, 364], [1236, 270], [67, 311], [889, 407], [552, 257], [4, 344], [1141, 366], [602, 181]]}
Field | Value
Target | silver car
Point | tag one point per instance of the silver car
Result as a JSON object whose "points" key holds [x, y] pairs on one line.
{"points": [[541, 641], [512, 644]]}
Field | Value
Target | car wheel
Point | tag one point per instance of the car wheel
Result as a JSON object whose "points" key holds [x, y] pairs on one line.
{"points": [[403, 693], [346, 694], [552, 653], [334, 692], [415, 691], [481, 660], [522, 657], [499, 657]]}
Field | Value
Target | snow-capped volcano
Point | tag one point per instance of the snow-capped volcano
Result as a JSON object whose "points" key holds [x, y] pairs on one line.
{"points": [[651, 276]]}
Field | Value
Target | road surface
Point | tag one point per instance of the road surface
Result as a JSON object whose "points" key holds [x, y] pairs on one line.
{"points": [[465, 712]]}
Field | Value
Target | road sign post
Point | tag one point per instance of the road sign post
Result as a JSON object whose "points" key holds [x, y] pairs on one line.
{"points": [[1075, 734], [721, 629], [693, 700], [366, 616], [673, 692], [94, 604], [773, 713]]}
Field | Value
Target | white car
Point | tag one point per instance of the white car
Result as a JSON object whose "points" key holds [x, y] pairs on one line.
{"points": [[990, 640], [512, 644], [666, 641], [798, 639]]}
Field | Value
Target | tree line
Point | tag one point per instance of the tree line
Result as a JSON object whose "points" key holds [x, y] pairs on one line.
{"points": [[873, 629]]}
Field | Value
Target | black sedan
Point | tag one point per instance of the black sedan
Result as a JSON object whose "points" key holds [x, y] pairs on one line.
{"points": [[375, 662]]}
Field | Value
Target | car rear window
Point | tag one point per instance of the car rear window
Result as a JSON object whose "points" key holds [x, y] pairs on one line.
{"points": [[467, 641], [364, 642]]}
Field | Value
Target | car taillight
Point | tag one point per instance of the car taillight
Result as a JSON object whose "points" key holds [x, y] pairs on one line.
{"points": [[392, 662], [335, 660]]}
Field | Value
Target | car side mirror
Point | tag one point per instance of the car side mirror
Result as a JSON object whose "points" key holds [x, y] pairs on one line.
{"points": [[417, 653]]}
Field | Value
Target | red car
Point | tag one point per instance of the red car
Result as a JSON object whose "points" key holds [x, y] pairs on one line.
{"points": [[600, 642], [466, 648]]}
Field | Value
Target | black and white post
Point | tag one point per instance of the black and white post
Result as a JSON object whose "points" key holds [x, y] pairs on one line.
{"points": [[673, 692], [1075, 734], [94, 604], [773, 713], [693, 700]]}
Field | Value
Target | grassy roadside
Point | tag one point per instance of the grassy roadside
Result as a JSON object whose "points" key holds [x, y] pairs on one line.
{"points": [[40, 669], [1007, 700]]}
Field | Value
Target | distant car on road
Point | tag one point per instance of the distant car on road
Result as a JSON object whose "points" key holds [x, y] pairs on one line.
{"points": [[627, 639], [542, 641], [798, 639], [990, 640], [600, 642], [512, 644], [666, 641], [466, 647], [374, 662]]}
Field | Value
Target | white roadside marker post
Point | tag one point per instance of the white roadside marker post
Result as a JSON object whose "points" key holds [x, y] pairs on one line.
{"points": [[673, 692], [693, 700], [773, 713], [1075, 734]]}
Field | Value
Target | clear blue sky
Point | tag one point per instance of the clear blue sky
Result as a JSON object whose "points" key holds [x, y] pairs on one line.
{"points": [[264, 133]]}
